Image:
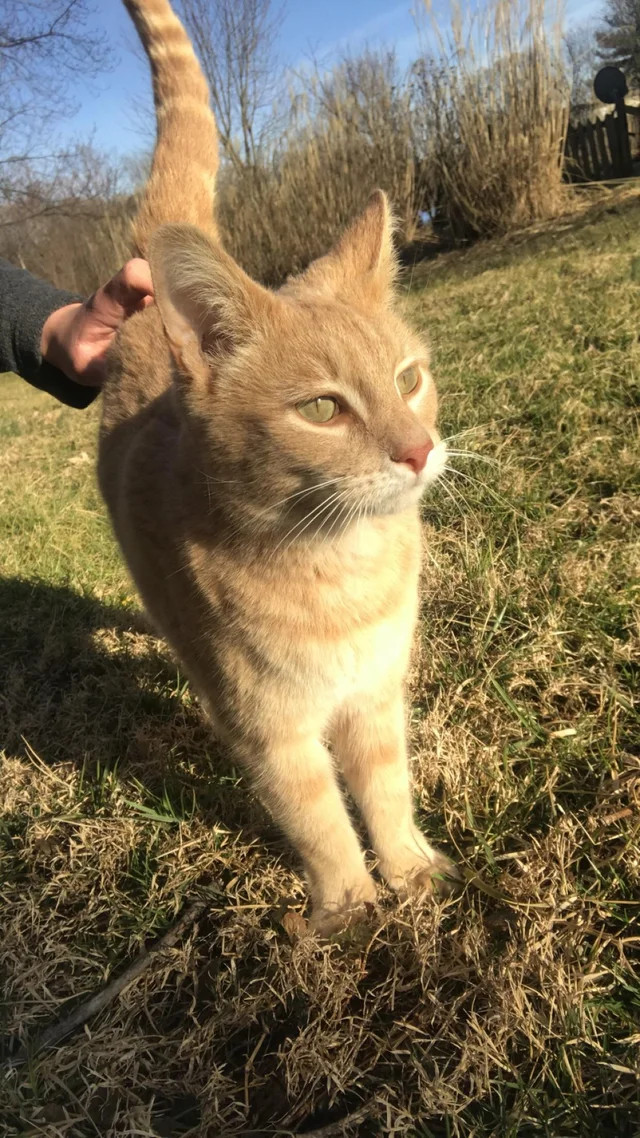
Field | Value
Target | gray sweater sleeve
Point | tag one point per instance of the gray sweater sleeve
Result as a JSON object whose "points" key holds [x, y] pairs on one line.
{"points": [[25, 304]]}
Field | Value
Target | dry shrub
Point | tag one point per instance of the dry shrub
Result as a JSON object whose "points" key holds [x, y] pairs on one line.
{"points": [[67, 222], [76, 248], [494, 105], [342, 135]]}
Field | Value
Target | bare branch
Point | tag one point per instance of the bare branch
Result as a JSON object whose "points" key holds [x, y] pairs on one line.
{"points": [[43, 43], [581, 51], [235, 40]]}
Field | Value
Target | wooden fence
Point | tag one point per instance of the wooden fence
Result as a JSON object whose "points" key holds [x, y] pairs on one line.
{"points": [[601, 150]]}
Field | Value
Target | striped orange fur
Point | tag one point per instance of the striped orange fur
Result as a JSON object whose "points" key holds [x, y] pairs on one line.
{"points": [[278, 554], [185, 160]]}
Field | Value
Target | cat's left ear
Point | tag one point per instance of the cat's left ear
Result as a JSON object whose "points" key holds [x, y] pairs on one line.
{"points": [[208, 305], [364, 259]]}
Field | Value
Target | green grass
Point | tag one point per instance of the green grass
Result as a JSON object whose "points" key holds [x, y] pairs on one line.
{"points": [[511, 1010]]}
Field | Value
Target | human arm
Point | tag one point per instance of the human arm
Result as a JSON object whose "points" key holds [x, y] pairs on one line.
{"points": [[55, 340]]}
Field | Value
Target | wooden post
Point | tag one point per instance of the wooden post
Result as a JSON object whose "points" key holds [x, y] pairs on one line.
{"points": [[613, 139], [624, 149], [590, 133], [604, 157]]}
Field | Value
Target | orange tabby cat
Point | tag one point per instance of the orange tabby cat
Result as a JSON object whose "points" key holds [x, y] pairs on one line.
{"points": [[263, 455]]}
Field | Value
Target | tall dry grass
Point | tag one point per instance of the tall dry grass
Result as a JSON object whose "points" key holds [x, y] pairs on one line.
{"points": [[342, 134], [491, 100]]}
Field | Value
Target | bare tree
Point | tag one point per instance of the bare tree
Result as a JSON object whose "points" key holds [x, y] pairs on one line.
{"points": [[367, 85], [583, 62], [70, 226], [43, 44], [235, 40], [78, 181]]}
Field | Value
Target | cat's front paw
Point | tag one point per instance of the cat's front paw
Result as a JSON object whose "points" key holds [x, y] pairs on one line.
{"points": [[416, 867], [352, 906], [440, 875]]}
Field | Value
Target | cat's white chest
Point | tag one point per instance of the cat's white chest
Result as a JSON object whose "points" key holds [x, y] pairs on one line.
{"points": [[368, 656], [372, 657], [357, 637]]}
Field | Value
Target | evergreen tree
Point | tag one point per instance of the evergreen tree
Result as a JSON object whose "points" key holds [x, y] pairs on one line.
{"points": [[618, 38]]}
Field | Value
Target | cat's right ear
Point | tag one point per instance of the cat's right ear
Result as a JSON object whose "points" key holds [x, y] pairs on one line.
{"points": [[208, 305]]}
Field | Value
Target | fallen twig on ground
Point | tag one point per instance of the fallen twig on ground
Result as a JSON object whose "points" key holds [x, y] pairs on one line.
{"points": [[58, 1031]]}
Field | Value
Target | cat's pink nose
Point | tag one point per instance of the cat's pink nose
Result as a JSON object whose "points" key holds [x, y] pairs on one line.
{"points": [[415, 456]]}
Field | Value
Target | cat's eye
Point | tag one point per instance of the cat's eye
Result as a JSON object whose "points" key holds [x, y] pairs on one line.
{"points": [[408, 379], [320, 410]]}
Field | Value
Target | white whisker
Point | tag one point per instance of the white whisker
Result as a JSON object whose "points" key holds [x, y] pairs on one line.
{"points": [[497, 497], [469, 510], [472, 454], [307, 490], [337, 510], [361, 513], [308, 520], [344, 521], [450, 494], [461, 434]]}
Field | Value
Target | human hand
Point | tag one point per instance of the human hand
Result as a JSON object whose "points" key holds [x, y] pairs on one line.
{"points": [[75, 338]]}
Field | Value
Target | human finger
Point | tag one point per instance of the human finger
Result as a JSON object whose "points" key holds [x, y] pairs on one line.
{"points": [[131, 287]]}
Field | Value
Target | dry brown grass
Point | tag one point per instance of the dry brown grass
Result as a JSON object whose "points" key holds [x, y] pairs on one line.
{"points": [[338, 136], [77, 248]]}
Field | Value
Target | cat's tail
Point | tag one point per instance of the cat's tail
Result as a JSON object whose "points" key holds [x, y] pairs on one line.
{"points": [[181, 185]]}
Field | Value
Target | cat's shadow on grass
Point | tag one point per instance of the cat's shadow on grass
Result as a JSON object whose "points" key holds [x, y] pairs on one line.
{"points": [[88, 683]]}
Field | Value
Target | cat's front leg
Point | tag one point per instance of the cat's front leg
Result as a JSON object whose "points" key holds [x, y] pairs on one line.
{"points": [[296, 781], [369, 739]]}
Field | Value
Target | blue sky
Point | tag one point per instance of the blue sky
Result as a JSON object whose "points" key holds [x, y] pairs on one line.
{"points": [[114, 108]]}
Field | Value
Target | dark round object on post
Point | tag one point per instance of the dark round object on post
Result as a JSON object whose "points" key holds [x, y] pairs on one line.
{"points": [[610, 85]]}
